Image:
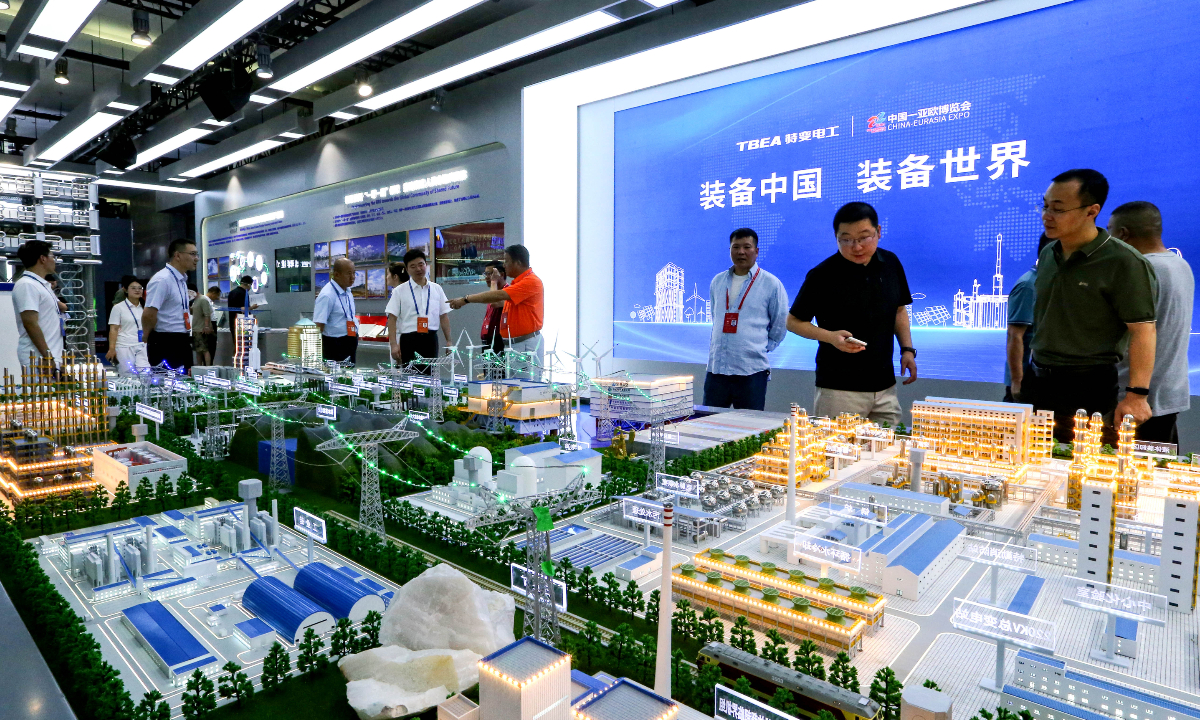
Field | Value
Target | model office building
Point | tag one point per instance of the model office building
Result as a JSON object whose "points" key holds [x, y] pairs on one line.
{"points": [[1178, 558]]}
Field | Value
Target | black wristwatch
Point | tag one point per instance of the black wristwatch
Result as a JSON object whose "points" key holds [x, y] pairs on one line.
{"points": [[467, 299], [1138, 390], [908, 349]]}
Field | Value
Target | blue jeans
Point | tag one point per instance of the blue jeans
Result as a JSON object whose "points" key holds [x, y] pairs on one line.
{"points": [[742, 392]]}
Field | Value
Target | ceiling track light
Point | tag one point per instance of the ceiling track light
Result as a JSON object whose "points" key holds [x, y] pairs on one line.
{"points": [[263, 56], [141, 29], [439, 99], [364, 86], [60, 72]]}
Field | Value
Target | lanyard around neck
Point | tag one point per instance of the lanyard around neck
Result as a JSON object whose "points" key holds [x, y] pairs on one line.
{"points": [[350, 312], [744, 292], [137, 324], [428, 294]]}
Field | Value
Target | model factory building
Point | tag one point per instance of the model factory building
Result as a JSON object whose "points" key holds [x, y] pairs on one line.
{"points": [[530, 470], [134, 462]]}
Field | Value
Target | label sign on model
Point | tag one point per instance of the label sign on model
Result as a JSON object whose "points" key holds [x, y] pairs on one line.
{"points": [[861, 510], [670, 437], [327, 412], [1123, 602], [418, 416], [460, 379], [149, 412], [732, 705], [340, 389], [520, 583], [828, 552], [1155, 449], [989, 552], [419, 391], [450, 393], [309, 524], [215, 381], [676, 485], [847, 451], [997, 624], [642, 511], [246, 387]]}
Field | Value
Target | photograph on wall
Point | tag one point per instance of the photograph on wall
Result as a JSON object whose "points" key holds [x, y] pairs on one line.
{"points": [[952, 138], [223, 267], [376, 282], [224, 285], [337, 249], [420, 239], [214, 268], [320, 280], [359, 288], [367, 249], [293, 269], [397, 245], [464, 250], [320, 258]]}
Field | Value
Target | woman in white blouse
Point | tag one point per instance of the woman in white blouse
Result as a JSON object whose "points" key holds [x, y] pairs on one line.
{"points": [[126, 346]]}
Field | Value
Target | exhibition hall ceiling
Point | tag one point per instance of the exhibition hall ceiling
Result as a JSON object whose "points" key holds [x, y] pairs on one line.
{"points": [[168, 92]]}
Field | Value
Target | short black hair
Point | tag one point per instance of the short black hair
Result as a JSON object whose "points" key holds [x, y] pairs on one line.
{"points": [[744, 233], [32, 251], [127, 279], [1093, 186], [413, 255], [177, 245], [398, 270], [246, 280], [853, 212], [518, 254], [1142, 219], [213, 287], [192, 287], [496, 264]]}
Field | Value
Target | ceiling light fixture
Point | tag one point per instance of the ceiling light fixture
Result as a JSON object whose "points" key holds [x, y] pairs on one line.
{"points": [[141, 29], [36, 52], [4, 5], [263, 55], [231, 158], [61, 19], [342, 115], [60, 72], [161, 79], [526, 46], [439, 97], [73, 140], [228, 29], [364, 87], [378, 40], [218, 123], [172, 143], [145, 186], [7, 103], [19, 87]]}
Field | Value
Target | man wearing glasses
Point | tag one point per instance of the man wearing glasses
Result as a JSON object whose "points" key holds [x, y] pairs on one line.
{"points": [[858, 296], [165, 321], [1095, 303]]}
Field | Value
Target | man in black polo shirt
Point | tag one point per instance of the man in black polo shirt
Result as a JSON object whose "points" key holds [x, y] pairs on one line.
{"points": [[858, 297], [1095, 302]]}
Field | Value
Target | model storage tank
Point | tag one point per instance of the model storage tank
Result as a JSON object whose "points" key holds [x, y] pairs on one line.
{"points": [[284, 609], [341, 596]]}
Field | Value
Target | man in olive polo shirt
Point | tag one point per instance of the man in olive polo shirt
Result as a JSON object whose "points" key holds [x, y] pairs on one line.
{"points": [[1095, 303]]}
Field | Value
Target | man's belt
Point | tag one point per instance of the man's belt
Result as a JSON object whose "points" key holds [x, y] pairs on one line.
{"points": [[523, 338], [1068, 371]]}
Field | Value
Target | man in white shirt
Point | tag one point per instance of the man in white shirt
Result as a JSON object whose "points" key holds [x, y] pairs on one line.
{"points": [[40, 325], [417, 310], [166, 319], [336, 316]]}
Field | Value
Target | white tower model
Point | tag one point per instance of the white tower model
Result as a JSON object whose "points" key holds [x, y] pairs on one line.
{"points": [[662, 665], [1177, 571], [792, 424], [1097, 525]]}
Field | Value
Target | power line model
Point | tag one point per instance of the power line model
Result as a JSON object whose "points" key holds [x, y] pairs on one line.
{"points": [[49, 424]]}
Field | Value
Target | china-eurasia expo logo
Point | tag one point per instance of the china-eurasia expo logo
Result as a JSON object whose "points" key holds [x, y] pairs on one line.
{"points": [[877, 123]]}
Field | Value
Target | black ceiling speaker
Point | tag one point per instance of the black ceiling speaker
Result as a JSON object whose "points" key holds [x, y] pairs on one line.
{"points": [[119, 152], [226, 91]]}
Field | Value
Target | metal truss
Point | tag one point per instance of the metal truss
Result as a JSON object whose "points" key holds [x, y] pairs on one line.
{"points": [[370, 511]]}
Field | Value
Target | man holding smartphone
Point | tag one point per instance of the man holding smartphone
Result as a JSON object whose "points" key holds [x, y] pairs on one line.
{"points": [[859, 298]]}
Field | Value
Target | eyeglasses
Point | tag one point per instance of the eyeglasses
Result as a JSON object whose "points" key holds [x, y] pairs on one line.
{"points": [[192, 253], [855, 241], [1044, 210]]}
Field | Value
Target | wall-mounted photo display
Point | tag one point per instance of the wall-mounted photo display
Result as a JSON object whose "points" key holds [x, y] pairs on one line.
{"points": [[397, 245], [224, 285], [214, 268], [293, 269], [320, 280], [376, 282], [320, 257], [366, 250], [337, 249], [359, 288], [223, 267], [420, 239], [463, 251]]}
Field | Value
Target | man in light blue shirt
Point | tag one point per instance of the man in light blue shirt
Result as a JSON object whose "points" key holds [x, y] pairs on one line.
{"points": [[335, 314], [749, 310]]}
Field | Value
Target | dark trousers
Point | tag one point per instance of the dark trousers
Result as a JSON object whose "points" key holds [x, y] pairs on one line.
{"points": [[339, 348], [1067, 389], [414, 343], [742, 392], [175, 349], [1160, 428]]}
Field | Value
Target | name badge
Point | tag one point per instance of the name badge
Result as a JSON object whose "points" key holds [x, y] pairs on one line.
{"points": [[351, 329], [140, 335], [422, 324], [731, 322], [62, 326], [187, 321]]}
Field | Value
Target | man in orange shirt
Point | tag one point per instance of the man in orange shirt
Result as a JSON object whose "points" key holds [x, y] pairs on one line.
{"points": [[521, 322]]}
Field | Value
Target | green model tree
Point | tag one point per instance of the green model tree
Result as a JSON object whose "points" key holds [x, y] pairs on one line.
{"points": [[885, 690], [370, 631], [931, 685], [185, 487], [652, 603], [152, 707], [743, 686], [227, 683], [612, 590], [96, 504], [775, 649], [341, 643], [199, 698], [713, 628], [683, 680], [621, 648], [143, 494], [162, 491], [632, 599], [843, 674], [808, 660], [310, 651], [120, 501], [825, 715], [742, 637], [587, 583], [76, 504], [707, 677], [277, 666]]}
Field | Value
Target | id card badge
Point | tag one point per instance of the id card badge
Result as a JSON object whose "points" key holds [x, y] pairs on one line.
{"points": [[187, 322], [140, 335], [731, 320], [62, 326], [351, 329], [422, 324]]}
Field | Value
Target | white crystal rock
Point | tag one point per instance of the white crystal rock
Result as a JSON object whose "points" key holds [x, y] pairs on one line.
{"points": [[413, 670], [374, 700], [442, 608]]}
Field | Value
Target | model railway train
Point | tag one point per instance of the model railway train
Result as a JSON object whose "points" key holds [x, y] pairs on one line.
{"points": [[810, 694]]}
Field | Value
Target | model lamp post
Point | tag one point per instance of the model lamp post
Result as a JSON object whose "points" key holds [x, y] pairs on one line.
{"points": [[662, 666]]}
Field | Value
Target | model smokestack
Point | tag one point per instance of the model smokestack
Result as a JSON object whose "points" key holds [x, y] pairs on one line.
{"points": [[110, 561], [916, 460], [150, 559], [791, 475], [662, 666]]}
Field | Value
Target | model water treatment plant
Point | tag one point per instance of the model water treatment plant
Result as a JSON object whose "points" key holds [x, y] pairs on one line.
{"points": [[816, 565]]}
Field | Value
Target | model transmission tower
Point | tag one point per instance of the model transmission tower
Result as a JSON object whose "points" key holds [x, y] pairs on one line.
{"points": [[370, 511]]}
